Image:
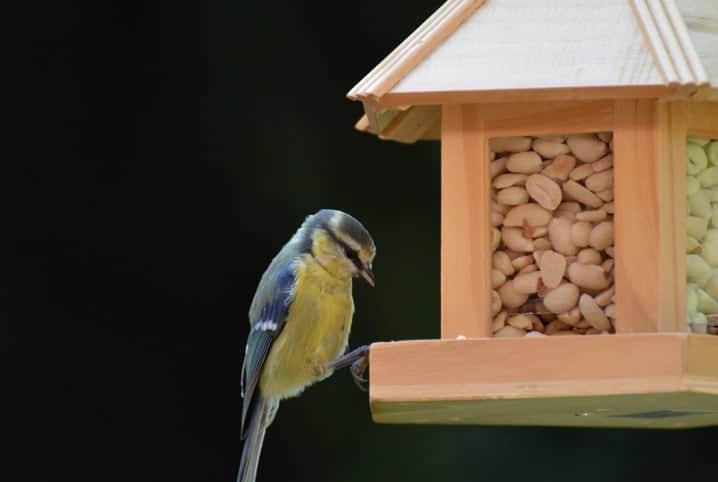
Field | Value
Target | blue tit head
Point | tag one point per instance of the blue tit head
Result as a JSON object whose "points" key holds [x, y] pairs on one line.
{"points": [[339, 243]]}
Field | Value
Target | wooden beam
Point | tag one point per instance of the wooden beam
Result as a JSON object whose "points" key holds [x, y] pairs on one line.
{"points": [[637, 221], [465, 227]]}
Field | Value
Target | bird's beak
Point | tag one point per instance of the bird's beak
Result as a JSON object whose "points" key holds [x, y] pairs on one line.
{"points": [[368, 275]]}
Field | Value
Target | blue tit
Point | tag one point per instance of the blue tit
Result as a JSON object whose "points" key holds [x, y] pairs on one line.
{"points": [[300, 319]]}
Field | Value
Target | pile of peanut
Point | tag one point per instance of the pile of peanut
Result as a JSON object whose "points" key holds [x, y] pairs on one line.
{"points": [[552, 217], [702, 234]]}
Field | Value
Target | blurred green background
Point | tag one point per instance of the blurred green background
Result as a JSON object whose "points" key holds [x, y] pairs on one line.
{"points": [[168, 152]]}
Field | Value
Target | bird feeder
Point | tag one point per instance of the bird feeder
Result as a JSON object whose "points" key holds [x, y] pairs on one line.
{"points": [[579, 231]]}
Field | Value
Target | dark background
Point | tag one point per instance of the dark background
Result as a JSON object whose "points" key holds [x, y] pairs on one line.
{"points": [[165, 153]]}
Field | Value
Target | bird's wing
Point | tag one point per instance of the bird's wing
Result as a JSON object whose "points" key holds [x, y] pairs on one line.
{"points": [[264, 331]]}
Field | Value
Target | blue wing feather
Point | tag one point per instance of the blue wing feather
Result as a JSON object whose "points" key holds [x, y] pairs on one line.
{"points": [[264, 331]]}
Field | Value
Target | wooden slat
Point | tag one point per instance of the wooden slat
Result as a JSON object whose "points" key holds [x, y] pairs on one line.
{"points": [[465, 227], [537, 118], [637, 218], [703, 118], [672, 217], [412, 124], [525, 367]]}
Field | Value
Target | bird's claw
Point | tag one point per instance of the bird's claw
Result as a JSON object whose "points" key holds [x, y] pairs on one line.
{"points": [[358, 369]]}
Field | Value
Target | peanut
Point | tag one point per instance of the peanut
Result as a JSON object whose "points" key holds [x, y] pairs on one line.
{"points": [[512, 196], [522, 261], [559, 232], [524, 163], [581, 172], [603, 299], [514, 239], [606, 162], [592, 313], [510, 297], [560, 167], [542, 244], [544, 191], [509, 332], [581, 194], [562, 298], [502, 263], [588, 276], [503, 181], [522, 322], [549, 149], [570, 206], [553, 267], [527, 214], [586, 147], [580, 233], [510, 144], [601, 236], [495, 303], [497, 278], [498, 166], [495, 239], [528, 269], [591, 216], [600, 181], [498, 322], [589, 256], [527, 283], [571, 317]]}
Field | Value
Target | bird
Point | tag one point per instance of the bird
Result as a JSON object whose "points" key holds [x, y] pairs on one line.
{"points": [[300, 318]]}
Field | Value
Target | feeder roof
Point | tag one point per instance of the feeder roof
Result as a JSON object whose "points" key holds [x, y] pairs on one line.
{"points": [[518, 50]]}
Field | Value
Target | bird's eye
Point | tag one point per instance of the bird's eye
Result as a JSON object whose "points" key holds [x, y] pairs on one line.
{"points": [[353, 256]]}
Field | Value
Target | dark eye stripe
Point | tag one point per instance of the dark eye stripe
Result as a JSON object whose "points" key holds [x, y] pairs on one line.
{"points": [[351, 253]]}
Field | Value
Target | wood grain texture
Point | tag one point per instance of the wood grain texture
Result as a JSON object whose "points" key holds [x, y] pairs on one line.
{"points": [[524, 44], [465, 227], [702, 119], [434, 381], [672, 120], [538, 118], [637, 220]]}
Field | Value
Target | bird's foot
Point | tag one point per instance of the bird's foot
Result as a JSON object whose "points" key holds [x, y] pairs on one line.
{"points": [[358, 370], [358, 360]]}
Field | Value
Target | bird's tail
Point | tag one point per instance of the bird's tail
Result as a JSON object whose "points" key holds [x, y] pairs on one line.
{"points": [[259, 420]]}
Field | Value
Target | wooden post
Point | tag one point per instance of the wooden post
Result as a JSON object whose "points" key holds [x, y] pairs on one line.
{"points": [[637, 219], [465, 227], [672, 153]]}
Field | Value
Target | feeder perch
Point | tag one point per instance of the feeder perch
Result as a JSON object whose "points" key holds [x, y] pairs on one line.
{"points": [[579, 255]]}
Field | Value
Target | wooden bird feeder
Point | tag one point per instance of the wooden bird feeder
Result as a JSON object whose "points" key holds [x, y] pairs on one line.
{"points": [[569, 207]]}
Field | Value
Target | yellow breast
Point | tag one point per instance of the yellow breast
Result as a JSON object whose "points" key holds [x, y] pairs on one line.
{"points": [[316, 332]]}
